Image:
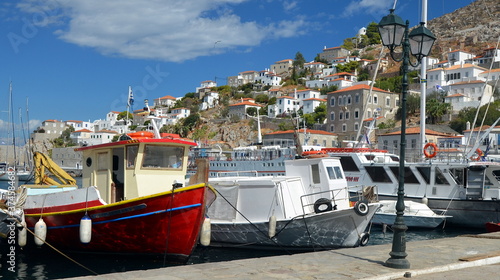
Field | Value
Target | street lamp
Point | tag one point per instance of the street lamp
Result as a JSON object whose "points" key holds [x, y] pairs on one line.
{"points": [[394, 32]]}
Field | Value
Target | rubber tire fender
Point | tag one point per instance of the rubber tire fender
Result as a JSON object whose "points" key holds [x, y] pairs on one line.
{"points": [[361, 208], [321, 202]]}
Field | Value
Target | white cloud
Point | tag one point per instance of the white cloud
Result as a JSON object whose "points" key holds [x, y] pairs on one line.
{"points": [[374, 7], [157, 29]]}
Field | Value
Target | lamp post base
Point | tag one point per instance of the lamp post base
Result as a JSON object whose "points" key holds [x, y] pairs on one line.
{"points": [[397, 263]]}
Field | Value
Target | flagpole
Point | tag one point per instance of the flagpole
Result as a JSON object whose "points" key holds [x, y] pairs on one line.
{"points": [[130, 102]]}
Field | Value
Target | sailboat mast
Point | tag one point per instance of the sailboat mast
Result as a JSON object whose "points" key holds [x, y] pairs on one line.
{"points": [[11, 120], [423, 86]]}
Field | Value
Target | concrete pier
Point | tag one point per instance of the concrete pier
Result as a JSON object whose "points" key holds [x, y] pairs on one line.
{"points": [[462, 257]]}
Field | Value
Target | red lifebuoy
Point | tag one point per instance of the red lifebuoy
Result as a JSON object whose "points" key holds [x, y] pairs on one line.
{"points": [[479, 155], [433, 148], [310, 153]]}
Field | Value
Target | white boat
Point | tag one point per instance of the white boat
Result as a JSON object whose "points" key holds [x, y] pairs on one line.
{"points": [[468, 191], [416, 215], [308, 209]]}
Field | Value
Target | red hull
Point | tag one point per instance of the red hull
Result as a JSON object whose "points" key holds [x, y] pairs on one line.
{"points": [[165, 224], [492, 227]]}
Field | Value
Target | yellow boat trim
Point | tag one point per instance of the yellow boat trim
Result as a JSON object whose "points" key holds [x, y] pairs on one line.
{"points": [[192, 187]]}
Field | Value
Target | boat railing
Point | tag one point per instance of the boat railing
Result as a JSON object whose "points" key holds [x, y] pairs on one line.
{"points": [[446, 155], [329, 198], [251, 173], [360, 193]]}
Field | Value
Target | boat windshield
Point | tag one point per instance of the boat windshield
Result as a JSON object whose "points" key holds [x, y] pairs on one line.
{"points": [[156, 156]]}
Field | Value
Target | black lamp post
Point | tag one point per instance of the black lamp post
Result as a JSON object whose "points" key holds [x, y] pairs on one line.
{"points": [[394, 32]]}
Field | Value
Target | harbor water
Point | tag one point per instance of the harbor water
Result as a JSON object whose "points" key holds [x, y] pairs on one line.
{"points": [[48, 263]]}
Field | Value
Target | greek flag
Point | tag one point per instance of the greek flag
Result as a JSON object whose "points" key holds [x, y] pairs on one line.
{"points": [[439, 88], [130, 97]]}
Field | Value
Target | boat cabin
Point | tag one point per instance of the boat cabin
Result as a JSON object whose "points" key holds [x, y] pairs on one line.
{"points": [[134, 168]]}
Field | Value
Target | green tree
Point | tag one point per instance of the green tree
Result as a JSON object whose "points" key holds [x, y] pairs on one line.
{"points": [[262, 98], [349, 67], [123, 115], [435, 110], [252, 111], [299, 61], [373, 34]]}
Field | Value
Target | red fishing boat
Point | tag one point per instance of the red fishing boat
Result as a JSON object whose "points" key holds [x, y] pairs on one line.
{"points": [[132, 201], [492, 227]]}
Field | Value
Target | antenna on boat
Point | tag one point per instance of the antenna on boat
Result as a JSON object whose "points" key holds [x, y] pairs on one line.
{"points": [[152, 119]]}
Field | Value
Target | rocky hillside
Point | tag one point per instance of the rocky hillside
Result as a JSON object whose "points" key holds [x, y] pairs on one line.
{"points": [[472, 28]]}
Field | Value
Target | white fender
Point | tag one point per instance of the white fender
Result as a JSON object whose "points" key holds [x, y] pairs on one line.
{"points": [[272, 226], [85, 229], [40, 232], [205, 232], [22, 237], [425, 200]]}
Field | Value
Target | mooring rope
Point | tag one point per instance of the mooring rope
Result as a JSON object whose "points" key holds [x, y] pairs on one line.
{"points": [[55, 249]]}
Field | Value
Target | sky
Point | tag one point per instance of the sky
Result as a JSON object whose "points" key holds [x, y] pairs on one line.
{"points": [[75, 59]]}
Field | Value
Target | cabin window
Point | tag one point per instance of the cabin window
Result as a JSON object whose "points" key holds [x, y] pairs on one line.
{"points": [[425, 172], [334, 172], [162, 157], [440, 179], [409, 177], [348, 164], [458, 175], [378, 174], [102, 161], [315, 174], [132, 155]]}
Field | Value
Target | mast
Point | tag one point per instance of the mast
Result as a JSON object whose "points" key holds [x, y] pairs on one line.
{"points": [[423, 85]]}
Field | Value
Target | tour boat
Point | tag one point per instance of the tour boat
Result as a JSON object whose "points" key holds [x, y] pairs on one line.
{"points": [[306, 209], [132, 201], [467, 190]]}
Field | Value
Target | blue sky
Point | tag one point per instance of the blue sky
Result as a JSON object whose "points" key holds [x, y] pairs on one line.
{"points": [[75, 59]]}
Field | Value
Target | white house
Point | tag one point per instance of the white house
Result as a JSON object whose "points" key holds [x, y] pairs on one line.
{"points": [[284, 105], [444, 77], [209, 101], [206, 85], [240, 109], [310, 104], [268, 78], [165, 101], [81, 136], [468, 94]]}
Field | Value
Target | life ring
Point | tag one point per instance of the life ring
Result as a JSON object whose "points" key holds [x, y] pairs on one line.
{"points": [[322, 205], [361, 208], [479, 155], [364, 238], [434, 150], [141, 135], [310, 153]]}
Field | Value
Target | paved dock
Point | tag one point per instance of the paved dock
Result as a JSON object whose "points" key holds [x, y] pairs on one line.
{"points": [[462, 257]]}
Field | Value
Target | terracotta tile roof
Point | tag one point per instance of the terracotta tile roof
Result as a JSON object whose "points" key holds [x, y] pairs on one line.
{"points": [[246, 103], [358, 87], [492, 71], [331, 48], [82, 130], [285, 96], [454, 95], [481, 128], [74, 121], [371, 119], [416, 130], [167, 97], [284, 60], [343, 73], [312, 131], [468, 82]]}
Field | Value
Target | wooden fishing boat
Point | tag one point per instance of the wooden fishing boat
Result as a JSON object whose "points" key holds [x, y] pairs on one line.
{"points": [[492, 227], [133, 201]]}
